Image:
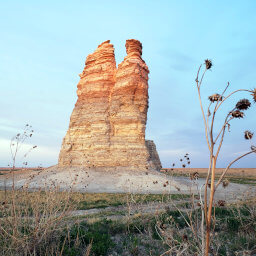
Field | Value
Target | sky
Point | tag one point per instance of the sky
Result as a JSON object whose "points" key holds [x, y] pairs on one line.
{"points": [[44, 44]]}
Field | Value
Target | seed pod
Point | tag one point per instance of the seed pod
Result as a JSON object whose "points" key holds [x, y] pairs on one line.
{"points": [[215, 97], [248, 135], [208, 64], [243, 104], [237, 114], [185, 238], [194, 176], [225, 183], [221, 203]]}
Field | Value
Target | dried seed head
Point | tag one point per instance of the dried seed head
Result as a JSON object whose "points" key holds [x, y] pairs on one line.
{"points": [[248, 135], [208, 64], [221, 203], [225, 183], [253, 148], [194, 176], [185, 238], [237, 114], [243, 104], [254, 95], [215, 97]]}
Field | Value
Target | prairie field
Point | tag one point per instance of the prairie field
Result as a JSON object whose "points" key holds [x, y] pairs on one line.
{"points": [[53, 222], [235, 175]]}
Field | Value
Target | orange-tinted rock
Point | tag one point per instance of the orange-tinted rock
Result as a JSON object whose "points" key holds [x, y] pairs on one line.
{"points": [[107, 126], [87, 139], [128, 109]]}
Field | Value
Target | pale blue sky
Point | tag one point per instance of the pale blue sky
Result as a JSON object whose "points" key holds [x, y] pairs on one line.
{"points": [[43, 47]]}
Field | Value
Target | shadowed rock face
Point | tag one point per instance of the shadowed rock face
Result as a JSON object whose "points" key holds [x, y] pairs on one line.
{"points": [[107, 126]]}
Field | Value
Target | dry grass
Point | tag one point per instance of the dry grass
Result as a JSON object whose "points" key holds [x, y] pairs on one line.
{"points": [[33, 223], [39, 223], [30, 222]]}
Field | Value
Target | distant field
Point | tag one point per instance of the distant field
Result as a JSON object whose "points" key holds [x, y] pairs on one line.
{"points": [[235, 175], [243, 172], [18, 168], [8, 169]]}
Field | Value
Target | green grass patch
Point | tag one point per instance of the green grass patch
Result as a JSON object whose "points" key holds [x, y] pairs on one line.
{"points": [[102, 200], [83, 233]]}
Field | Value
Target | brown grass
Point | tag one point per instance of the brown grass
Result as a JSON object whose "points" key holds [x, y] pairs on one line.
{"points": [[30, 222]]}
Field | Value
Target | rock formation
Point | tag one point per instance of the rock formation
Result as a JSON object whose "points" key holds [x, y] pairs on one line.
{"points": [[107, 126]]}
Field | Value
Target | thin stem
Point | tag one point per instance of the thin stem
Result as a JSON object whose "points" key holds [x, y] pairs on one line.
{"points": [[209, 215], [208, 115], [200, 100], [206, 187], [222, 138], [225, 89], [205, 124], [230, 164], [213, 117], [202, 79], [202, 220], [223, 127], [240, 90], [198, 75]]}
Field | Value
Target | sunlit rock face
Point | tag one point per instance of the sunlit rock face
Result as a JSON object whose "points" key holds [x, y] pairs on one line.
{"points": [[107, 126]]}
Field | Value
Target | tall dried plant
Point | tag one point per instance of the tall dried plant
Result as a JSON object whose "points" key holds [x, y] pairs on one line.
{"points": [[31, 222], [215, 143]]}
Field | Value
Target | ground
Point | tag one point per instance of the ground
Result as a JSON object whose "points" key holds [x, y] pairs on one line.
{"points": [[130, 223]]}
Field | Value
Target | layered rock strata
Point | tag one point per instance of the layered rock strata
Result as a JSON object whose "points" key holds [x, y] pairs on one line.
{"points": [[107, 126]]}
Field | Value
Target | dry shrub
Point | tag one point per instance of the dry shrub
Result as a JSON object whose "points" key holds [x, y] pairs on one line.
{"points": [[30, 222]]}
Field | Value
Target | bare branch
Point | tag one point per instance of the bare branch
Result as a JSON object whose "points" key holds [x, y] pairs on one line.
{"points": [[200, 83], [205, 123], [223, 127], [240, 90], [231, 163]]}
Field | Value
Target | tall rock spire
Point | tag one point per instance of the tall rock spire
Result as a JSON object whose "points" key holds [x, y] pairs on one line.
{"points": [[107, 126], [87, 140], [128, 109]]}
